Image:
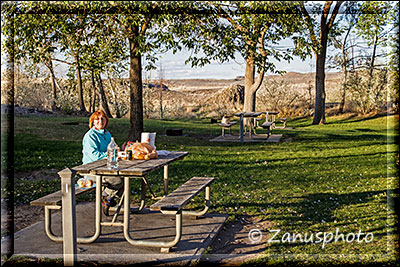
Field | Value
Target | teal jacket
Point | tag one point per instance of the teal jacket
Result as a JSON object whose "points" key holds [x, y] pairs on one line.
{"points": [[95, 144]]}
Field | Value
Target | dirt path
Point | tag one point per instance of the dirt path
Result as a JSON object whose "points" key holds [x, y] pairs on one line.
{"points": [[241, 240]]}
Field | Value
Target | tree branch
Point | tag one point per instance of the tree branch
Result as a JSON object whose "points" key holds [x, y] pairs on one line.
{"points": [[63, 61], [334, 13], [231, 21], [145, 24], [313, 37], [261, 70]]}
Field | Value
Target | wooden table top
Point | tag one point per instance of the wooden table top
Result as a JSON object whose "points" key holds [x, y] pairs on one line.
{"points": [[129, 167], [248, 114]]}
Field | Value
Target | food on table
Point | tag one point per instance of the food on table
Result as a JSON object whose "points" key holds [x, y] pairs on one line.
{"points": [[85, 183], [141, 150]]}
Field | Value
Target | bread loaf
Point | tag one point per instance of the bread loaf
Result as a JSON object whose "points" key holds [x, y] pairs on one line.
{"points": [[141, 150]]}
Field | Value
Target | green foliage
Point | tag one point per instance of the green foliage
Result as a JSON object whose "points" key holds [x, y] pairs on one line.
{"points": [[318, 178], [373, 20], [221, 31]]}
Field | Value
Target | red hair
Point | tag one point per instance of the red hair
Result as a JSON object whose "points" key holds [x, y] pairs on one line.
{"points": [[96, 115]]}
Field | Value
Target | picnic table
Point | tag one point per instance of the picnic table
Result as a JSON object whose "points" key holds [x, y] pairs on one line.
{"points": [[128, 169], [250, 116]]}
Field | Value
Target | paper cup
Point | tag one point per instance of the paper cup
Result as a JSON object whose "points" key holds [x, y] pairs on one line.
{"points": [[145, 138], [149, 138]]}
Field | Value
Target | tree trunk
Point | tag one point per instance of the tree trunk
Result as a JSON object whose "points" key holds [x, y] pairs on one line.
{"points": [[93, 97], [116, 106], [370, 76], [248, 83], [80, 87], [53, 84], [320, 55], [7, 143], [344, 85], [345, 61], [319, 112], [136, 92], [342, 102], [251, 85], [103, 97]]}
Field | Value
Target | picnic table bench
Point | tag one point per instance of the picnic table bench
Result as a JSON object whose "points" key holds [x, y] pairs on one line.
{"points": [[268, 125], [52, 201], [226, 126], [174, 202], [275, 113], [283, 120]]}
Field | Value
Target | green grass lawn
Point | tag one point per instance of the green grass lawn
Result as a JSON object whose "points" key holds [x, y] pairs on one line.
{"points": [[338, 177]]}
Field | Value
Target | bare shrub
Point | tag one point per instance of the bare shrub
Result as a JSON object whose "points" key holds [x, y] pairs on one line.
{"points": [[287, 98], [368, 94], [32, 93], [225, 102]]}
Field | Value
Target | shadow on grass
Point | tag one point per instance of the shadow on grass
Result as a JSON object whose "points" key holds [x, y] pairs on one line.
{"points": [[356, 118], [314, 208]]}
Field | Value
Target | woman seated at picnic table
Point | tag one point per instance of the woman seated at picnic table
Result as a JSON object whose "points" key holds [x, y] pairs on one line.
{"points": [[95, 144]]}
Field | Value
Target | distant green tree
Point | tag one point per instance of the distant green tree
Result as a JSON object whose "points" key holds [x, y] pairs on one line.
{"points": [[103, 46], [394, 56], [345, 59], [36, 41], [42, 31], [251, 29], [374, 27], [317, 39], [146, 27]]}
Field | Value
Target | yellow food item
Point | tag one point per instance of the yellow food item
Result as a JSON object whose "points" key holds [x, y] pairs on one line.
{"points": [[81, 183], [85, 183]]}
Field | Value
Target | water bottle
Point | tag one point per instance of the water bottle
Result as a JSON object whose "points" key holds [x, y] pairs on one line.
{"points": [[112, 154]]}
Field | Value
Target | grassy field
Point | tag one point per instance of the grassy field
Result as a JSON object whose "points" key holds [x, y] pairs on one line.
{"points": [[340, 177]]}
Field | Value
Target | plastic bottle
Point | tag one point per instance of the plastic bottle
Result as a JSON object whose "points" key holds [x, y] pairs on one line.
{"points": [[112, 154]]}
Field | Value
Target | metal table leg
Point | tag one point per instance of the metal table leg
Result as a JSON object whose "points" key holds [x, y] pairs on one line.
{"points": [[80, 240], [241, 129], [68, 216], [165, 180], [164, 245]]}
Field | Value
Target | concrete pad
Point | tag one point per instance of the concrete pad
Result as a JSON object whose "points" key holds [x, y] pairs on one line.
{"points": [[273, 138], [111, 247]]}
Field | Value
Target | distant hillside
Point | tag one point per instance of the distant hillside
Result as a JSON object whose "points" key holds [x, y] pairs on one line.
{"points": [[215, 97], [291, 93]]}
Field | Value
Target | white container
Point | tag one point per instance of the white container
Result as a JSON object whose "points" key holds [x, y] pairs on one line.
{"points": [[149, 138], [225, 120], [145, 137], [112, 155]]}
